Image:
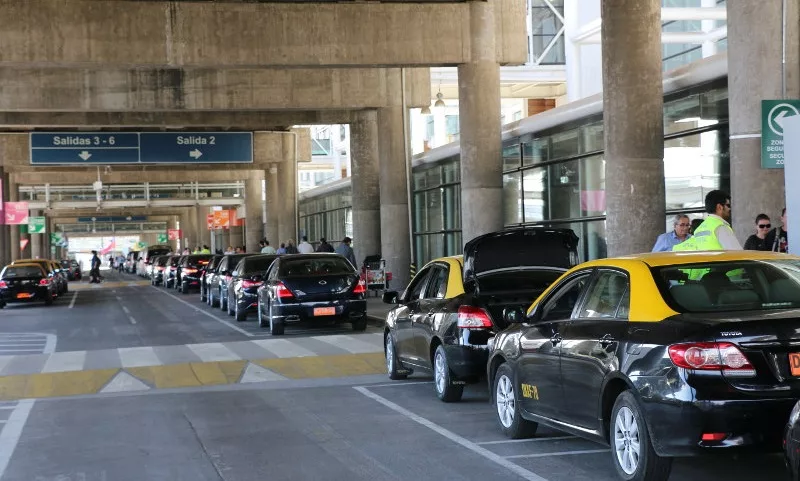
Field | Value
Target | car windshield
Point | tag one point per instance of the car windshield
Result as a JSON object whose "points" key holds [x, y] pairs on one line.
{"points": [[731, 286], [260, 264], [315, 267], [12, 272]]}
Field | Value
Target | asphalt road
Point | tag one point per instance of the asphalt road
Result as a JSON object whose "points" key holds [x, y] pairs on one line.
{"points": [[114, 315]]}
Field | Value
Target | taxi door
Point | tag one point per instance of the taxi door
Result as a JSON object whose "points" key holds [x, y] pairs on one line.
{"points": [[405, 316], [429, 315]]}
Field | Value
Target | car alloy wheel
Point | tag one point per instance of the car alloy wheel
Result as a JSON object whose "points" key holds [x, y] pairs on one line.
{"points": [[389, 355], [447, 390], [506, 402], [627, 444], [438, 372]]}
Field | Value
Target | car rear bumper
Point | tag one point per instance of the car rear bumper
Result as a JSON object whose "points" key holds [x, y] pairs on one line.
{"points": [[9, 297], [467, 362], [676, 428], [344, 310]]}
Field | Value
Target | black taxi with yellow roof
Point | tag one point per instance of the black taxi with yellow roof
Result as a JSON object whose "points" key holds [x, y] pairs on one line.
{"points": [[658, 355]]}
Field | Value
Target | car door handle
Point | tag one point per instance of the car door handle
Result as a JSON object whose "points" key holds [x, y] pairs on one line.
{"points": [[607, 340], [556, 339], [431, 312]]}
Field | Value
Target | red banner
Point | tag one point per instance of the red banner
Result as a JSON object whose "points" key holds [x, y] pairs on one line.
{"points": [[222, 219], [210, 221], [16, 213], [174, 234]]}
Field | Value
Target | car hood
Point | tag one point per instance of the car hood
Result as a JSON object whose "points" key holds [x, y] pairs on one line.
{"points": [[515, 248]]}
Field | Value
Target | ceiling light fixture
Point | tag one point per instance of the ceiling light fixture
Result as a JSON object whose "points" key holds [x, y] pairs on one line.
{"points": [[439, 101], [426, 110]]}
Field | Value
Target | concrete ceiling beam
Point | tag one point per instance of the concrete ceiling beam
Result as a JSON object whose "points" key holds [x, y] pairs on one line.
{"points": [[175, 89], [90, 33]]}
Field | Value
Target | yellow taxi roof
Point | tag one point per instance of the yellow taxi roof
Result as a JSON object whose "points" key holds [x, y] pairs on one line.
{"points": [[658, 259]]}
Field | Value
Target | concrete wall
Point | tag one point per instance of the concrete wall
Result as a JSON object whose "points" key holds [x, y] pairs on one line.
{"points": [[206, 34]]}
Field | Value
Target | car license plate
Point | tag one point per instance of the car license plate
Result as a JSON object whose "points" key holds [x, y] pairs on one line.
{"points": [[24, 295], [324, 311], [794, 363]]}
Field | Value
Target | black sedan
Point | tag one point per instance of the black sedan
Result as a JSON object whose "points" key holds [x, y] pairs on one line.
{"points": [[312, 287], [158, 269], [26, 283], [218, 287], [245, 281], [206, 272], [657, 355], [453, 306], [791, 441], [189, 271]]}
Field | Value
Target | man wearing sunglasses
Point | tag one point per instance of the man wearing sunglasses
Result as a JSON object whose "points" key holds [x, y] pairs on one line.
{"points": [[758, 241], [715, 233], [679, 233]]}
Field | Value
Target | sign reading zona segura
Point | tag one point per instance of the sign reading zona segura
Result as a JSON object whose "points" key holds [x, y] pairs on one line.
{"points": [[773, 112]]}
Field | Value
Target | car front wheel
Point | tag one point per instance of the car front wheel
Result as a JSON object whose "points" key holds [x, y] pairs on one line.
{"points": [[446, 388], [507, 406], [631, 449]]}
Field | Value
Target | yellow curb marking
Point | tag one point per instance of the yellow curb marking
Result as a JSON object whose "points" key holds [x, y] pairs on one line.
{"points": [[54, 384], [190, 375], [326, 366]]}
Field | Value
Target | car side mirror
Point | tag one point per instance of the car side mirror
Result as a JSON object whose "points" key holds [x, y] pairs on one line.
{"points": [[513, 315], [390, 297]]}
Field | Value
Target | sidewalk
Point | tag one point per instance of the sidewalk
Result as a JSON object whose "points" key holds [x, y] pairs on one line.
{"points": [[377, 310]]}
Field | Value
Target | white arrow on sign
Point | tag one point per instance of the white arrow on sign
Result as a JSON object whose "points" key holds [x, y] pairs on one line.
{"points": [[778, 114], [195, 154], [84, 155]]}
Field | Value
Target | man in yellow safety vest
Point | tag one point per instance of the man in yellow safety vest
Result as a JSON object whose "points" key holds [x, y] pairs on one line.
{"points": [[715, 233]]}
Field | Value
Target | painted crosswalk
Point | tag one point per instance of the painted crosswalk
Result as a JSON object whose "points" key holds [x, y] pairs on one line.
{"points": [[20, 343]]}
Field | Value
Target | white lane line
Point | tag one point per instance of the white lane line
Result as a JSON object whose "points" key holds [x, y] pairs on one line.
{"points": [[50, 344], [138, 356], [533, 440], [350, 343], [128, 313], [212, 316], [562, 453], [9, 436], [284, 348], [393, 384], [497, 459], [65, 361], [72, 302], [213, 351]]}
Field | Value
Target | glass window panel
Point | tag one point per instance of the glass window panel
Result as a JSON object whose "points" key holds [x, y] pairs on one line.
{"points": [[591, 238], [451, 124], [684, 114], [714, 105], [433, 206], [565, 144], [593, 186], [564, 184], [535, 151], [420, 179], [451, 208], [512, 199], [534, 183], [420, 213], [434, 177], [429, 130], [556, 55], [511, 154], [451, 171], [693, 166], [593, 137], [452, 244]]}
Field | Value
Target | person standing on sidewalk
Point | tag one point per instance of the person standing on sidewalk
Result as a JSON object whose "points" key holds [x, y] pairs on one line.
{"points": [[758, 241], [715, 233], [678, 234]]}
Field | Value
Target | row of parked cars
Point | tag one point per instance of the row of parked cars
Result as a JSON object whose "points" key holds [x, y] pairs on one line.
{"points": [[657, 355], [278, 289], [36, 280]]}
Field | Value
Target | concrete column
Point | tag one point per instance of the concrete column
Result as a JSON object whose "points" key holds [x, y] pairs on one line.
{"points": [[13, 196], [5, 231], [754, 74], [366, 189], [36, 239], [479, 117], [633, 117], [189, 229], [254, 221], [287, 176], [204, 235], [271, 231], [395, 243]]}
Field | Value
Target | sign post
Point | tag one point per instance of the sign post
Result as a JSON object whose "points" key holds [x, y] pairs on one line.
{"points": [[36, 225], [774, 114]]}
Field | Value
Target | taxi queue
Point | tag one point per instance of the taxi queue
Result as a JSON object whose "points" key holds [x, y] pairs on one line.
{"points": [[37, 280]]}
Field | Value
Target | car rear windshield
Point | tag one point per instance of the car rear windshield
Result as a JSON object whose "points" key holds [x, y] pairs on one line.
{"points": [[157, 252], [260, 264], [12, 272], [315, 267], [197, 261], [530, 280], [731, 286]]}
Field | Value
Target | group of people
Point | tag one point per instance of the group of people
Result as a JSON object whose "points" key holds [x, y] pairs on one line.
{"points": [[715, 231], [305, 247]]}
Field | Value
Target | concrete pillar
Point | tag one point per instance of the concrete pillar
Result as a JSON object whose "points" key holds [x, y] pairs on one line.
{"points": [[254, 208], [5, 231], [13, 195], [633, 117], [754, 74], [365, 186], [189, 229], [287, 176], [36, 239], [271, 230], [479, 117], [395, 243], [204, 234]]}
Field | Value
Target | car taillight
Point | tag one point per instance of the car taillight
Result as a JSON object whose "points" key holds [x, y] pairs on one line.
{"points": [[3, 284], [44, 282], [361, 287], [189, 270], [712, 356], [470, 317], [248, 283], [282, 291], [160, 268]]}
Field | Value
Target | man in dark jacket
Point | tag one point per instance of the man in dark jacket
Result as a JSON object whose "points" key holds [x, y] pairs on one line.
{"points": [[94, 272], [324, 246]]}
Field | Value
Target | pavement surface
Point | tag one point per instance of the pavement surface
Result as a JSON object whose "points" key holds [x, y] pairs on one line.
{"points": [[177, 394]]}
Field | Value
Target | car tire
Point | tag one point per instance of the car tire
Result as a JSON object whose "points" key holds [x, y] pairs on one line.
{"points": [[211, 300], [230, 304], [507, 407], [202, 294], [360, 324], [240, 315], [184, 288], [66, 288], [275, 327], [222, 300], [393, 366], [443, 381], [628, 430]]}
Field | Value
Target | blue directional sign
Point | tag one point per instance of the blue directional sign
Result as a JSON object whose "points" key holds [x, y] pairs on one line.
{"points": [[92, 148], [84, 148], [192, 147]]}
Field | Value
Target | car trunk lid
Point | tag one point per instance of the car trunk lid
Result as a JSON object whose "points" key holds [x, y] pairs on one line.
{"points": [[320, 288]]}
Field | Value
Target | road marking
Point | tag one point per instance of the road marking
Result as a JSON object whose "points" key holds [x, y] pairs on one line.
{"points": [[65, 361], [562, 453], [284, 348], [256, 373], [350, 344], [138, 356], [74, 297], [213, 351], [124, 382], [495, 458], [9, 436], [14, 343], [399, 383], [212, 316], [532, 440], [128, 313]]}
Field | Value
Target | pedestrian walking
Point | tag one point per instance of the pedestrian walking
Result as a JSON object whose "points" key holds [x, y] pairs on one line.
{"points": [[290, 247], [324, 246], [715, 233], [304, 247], [345, 250]]}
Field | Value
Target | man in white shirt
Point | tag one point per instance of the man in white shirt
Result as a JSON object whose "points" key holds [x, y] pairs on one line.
{"points": [[304, 247]]}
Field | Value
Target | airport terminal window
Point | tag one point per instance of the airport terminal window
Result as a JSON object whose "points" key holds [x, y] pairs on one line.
{"points": [[545, 25], [565, 144], [535, 151], [511, 156], [693, 166], [564, 204], [451, 124], [451, 171], [534, 200], [593, 137], [512, 200], [593, 186], [451, 210]]}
